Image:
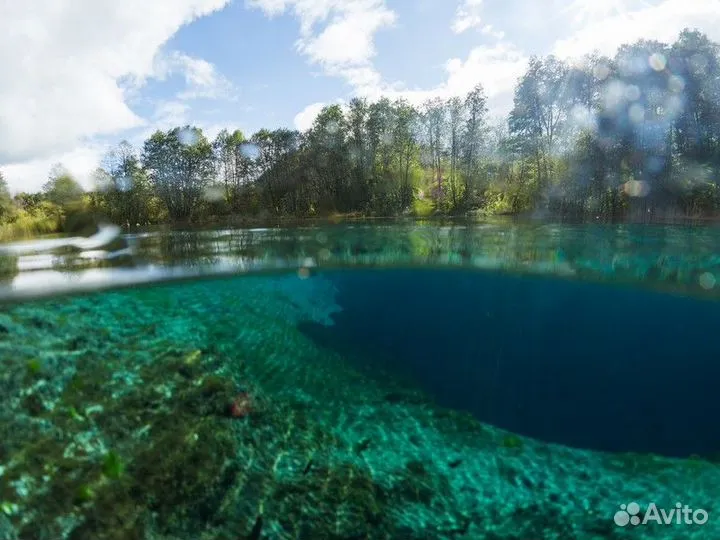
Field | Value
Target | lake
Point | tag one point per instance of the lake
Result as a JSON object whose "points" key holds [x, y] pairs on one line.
{"points": [[396, 379]]}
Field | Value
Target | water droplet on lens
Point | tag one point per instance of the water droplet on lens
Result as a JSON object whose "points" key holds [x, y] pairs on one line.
{"points": [[657, 61], [249, 150], [188, 136]]}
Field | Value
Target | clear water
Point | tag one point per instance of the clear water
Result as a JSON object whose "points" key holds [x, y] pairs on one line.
{"points": [[406, 381]]}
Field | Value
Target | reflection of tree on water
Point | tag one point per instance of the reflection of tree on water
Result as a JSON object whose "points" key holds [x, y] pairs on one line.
{"points": [[8, 267], [595, 252], [104, 248], [207, 248], [245, 243], [186, 248]]}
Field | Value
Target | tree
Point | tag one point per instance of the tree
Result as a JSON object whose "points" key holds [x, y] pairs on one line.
{"points": [[456, 111], [435, 123], [180, 166], [125, 185], [695, 62], [274, 166], [328, 157], [234, 162], [61, 188], [7, 208], [540, 112], [475, 126], [361, 149], [405, 148]]}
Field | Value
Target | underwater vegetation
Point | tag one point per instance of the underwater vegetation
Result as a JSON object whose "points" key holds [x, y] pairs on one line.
{"points": [[200, 411]]}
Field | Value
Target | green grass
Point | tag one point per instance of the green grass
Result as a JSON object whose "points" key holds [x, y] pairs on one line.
{"points": [[26, 224], [423, 208]]}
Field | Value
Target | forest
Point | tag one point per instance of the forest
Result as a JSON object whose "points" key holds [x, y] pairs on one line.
{"points": [[636, 136]]}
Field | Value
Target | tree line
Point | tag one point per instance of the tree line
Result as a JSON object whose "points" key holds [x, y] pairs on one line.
{"points": [[603, 138]]}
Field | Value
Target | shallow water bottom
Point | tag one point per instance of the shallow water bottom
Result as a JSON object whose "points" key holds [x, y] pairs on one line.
{"points": [[345, 405]]}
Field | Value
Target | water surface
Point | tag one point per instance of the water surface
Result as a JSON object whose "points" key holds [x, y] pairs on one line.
{"points": [[675, 258]]}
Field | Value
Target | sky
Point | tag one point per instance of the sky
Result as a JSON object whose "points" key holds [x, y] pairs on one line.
{"points": [[78, 76]]}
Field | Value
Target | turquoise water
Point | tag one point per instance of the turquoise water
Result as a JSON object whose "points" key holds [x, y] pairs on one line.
{"points": [[343, 382]]}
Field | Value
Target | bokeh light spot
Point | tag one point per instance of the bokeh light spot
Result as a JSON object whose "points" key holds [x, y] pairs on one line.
{"points": [[213, 193], [632, 93], [707, 281], [657, 61], [249, 150], [636, 112], [601, 71], [676, 84], [124, 183], [636, 188], [188, 136]]}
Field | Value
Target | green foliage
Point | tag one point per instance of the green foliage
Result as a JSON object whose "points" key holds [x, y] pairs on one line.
{"points": [[75, 415], [180, 165], [234, 164], [113, 466], [7, 208], [512, 441], [498, 203], [62, 189], [34, 367], [85, 493], [423, 208], [42, 219], [127, 196]]}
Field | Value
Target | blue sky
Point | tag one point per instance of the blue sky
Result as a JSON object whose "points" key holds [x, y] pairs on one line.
{"points": [[80, 75]]}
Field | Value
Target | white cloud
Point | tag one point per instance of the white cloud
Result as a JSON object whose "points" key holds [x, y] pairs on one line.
{"points": [[201, 77], [489, 30], [336, 34], [363, 79], [82, 161], [662, 22], [271, 7], [64, 62], [29, 176], [305, 118], [347, 40], [344, 47], [169, 114], [467, 16], [583, 27], [496, 68], [583, 12]]}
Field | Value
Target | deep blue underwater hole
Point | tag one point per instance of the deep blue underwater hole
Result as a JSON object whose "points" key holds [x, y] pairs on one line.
{"points": [[582, 364]]}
